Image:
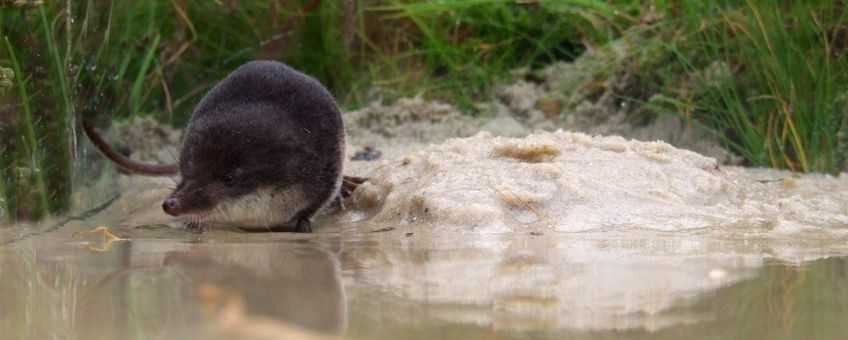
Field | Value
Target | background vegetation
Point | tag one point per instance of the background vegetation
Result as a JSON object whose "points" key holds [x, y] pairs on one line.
{"points": [[767, 77]]}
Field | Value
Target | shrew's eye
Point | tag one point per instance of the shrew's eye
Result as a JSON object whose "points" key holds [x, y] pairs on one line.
{"points": [[230, 178]]}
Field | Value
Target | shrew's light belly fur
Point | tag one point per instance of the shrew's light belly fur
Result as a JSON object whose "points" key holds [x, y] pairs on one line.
{"points": [[265, 208]]}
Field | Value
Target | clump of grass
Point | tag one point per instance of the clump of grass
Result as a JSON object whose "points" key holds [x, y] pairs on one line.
{"points": [[38, 167], [769, 79], [22, 178], [454, 49]]}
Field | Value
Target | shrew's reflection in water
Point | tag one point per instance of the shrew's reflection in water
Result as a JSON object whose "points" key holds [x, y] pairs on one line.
{"points": [[153, 290], [298, 285]]}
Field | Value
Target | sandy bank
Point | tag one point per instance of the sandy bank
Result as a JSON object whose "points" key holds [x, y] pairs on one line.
{"points": [[571, 182]]}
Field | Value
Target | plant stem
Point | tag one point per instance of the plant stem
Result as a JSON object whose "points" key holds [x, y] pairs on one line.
{"points": [[31, 142]]}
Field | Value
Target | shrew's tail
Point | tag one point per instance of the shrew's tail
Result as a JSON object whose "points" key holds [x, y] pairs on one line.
{"points": [[349, 183], [125, 162]]}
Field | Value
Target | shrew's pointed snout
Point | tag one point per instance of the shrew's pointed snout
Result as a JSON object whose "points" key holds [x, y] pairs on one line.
{"points": [[171, 206]]}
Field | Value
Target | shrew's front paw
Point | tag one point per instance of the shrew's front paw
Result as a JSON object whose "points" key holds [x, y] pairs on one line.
{"points": [[303, 225], [195, 227]]}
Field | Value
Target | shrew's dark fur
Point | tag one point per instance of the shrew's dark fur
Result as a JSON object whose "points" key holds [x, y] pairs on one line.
{"points": [[266, 133]]}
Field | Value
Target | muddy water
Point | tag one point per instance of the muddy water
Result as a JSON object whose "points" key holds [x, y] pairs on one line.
{"points": [[364, 282]]}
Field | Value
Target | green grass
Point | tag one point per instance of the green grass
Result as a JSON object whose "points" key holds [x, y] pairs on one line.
{"points": [[769, 81], [56, 132], [28, 146], [454, 49]]}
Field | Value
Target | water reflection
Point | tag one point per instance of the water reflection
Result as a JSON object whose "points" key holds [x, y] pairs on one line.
{"points": [[165, 283], [539, 283], [149, 288]]}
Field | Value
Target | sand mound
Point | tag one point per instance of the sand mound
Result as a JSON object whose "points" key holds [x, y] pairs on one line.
{"points": [[571, 182], [146, 139], [407, 121]]}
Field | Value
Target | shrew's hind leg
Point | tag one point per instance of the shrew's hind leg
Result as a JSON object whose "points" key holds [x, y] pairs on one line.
{"points": [[349, 184], [303, 224]]}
